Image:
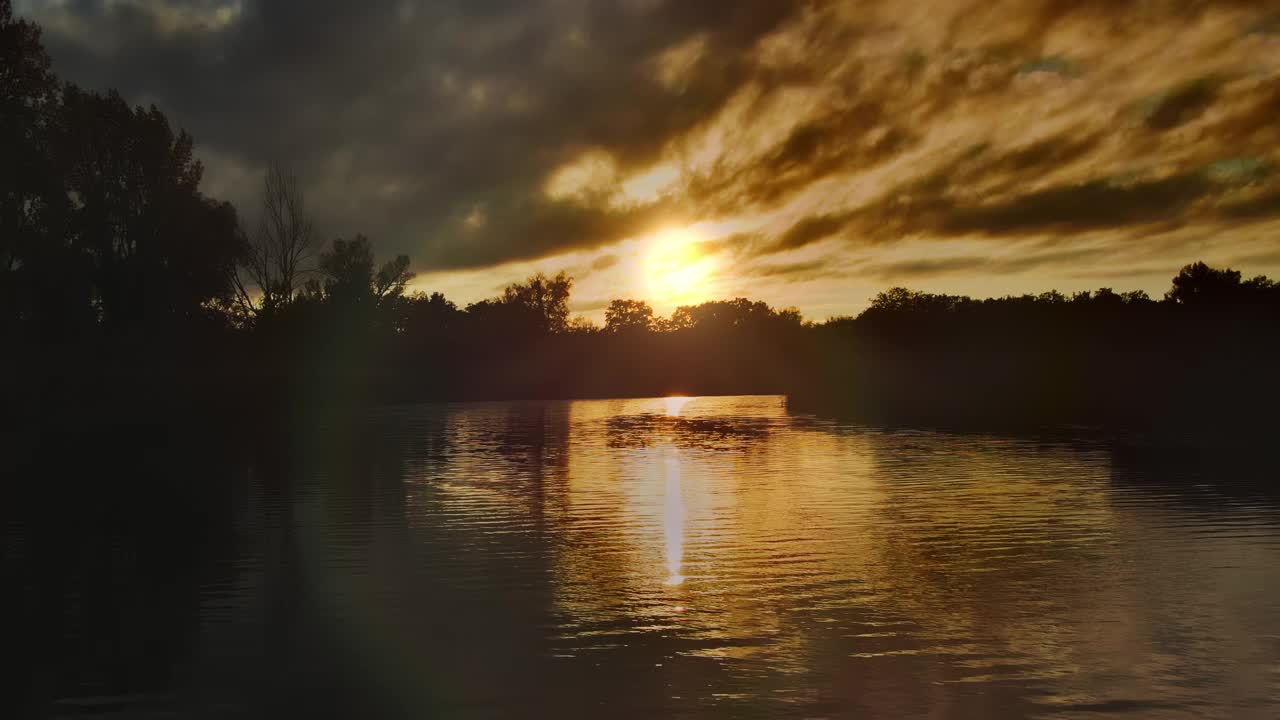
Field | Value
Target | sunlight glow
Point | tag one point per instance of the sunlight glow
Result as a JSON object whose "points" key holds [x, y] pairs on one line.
{"points": [[677, 271], [675, 404], [590, 177], [649, 186]]}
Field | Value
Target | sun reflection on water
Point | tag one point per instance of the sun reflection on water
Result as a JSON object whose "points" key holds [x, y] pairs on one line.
{"points": [[675, 404], [749, 556], [673, 517]]}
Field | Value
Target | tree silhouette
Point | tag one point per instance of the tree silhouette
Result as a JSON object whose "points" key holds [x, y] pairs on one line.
{"points": [[498, 321], [721, 315], [1199, 284], [28, 96], [390, 280], [121, 280], [349, 278], [581, 326], [547, 298], [628, 316], [280, 255], [159, 250], [429, 316], [42, 284], [347, 269]]}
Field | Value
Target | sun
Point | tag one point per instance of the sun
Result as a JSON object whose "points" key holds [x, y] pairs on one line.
{"points": [[677, 270]]}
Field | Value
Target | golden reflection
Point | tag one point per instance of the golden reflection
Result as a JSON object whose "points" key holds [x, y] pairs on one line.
{"points": [[673, 516], [814, 550], [675, 404], [803, 520]]}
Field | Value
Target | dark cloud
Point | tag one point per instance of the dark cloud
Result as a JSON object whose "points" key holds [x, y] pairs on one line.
{"points": [[842, 139], [530, 228], [941, 205], [809, 231], [801, 271], [1080, 207], [604, 262], [1259, 205], [434, 126], [1182, 104], [906, 270], [924, 267], [1252, 128], [402, 115]]}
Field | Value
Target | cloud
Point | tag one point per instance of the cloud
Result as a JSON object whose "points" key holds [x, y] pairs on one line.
{"points": [[471, 134], [604, 262], [915, 269], [1182, 104], [808, 231], [1080, 207], [451, 104], [1263, 258], [800, 271]]}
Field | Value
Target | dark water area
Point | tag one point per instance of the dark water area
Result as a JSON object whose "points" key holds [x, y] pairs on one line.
{"points": [[705, 557]]}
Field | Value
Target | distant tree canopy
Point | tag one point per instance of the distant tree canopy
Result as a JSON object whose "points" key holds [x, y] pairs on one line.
{"points": [[740, 313], [105, 233], [423, 316], [628, 316], [546, 298], [901, 301], [349, 278], [1199, 285], [108, 242]]}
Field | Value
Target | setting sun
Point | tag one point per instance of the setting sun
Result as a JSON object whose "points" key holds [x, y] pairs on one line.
{"points": [[676, 269]]}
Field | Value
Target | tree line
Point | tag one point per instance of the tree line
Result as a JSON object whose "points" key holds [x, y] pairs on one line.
{"points": [[121, 280]]}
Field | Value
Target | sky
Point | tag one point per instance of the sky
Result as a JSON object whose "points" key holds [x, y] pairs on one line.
{"points": [[804, 153]]}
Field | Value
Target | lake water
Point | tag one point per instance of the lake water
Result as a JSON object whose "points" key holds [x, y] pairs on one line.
{"points": [[706, 557]]}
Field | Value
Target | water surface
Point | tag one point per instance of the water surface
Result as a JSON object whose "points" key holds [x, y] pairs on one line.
{"points": [[706, 557]]}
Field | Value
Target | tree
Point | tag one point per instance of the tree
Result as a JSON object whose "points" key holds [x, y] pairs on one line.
{"points": [[158, 250], [433, 315], [546, 298], [34, 260], [391, 278], [281, 253], [581, 325], [498, 321], [28, 94], [903, 300], [1198, 284], [347, 268], [349, 278], [723, 314], [628, 316]]}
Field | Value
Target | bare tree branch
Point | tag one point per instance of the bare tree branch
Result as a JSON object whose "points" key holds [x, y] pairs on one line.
{"points": [[282, 251]]}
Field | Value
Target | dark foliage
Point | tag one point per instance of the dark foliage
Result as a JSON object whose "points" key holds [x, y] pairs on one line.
{"points": [[102, 224], [128, 294], [1195, 367]]}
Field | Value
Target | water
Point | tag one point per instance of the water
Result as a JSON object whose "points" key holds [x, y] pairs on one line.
{"points": [[707, 557]]}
